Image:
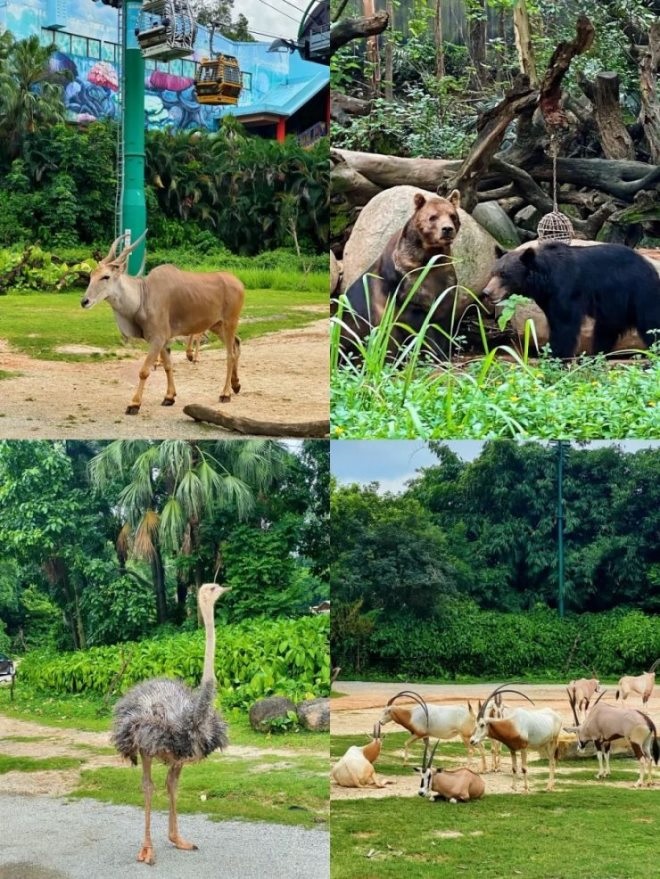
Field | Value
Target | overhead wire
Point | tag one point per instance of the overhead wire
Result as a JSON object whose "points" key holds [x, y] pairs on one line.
{"points": [[270, 5]]}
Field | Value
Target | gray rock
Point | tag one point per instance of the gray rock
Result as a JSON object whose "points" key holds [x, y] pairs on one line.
{"points": [[528, 218], [266, 710], [473, 250], [494, 219], [335, 273], [314, 714]]}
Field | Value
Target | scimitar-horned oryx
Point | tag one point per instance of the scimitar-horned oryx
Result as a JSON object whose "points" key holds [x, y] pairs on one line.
{"points": [[642, 684], [168, 303], [605, 723], [455, 785]]}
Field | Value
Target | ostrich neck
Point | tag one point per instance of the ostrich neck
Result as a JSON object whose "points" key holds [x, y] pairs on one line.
{"points": [[209, 649]]}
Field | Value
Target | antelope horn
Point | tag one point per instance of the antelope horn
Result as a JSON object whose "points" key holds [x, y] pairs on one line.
{"points": [[426, 752], [600, 696], [417, 698], [112, 253], [433, 753], [504, 688], [376, 730], [654, 666], [123, 256], [571, 699]]}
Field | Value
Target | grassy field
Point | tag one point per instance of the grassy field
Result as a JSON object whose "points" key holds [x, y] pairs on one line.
{"points": [[38, 323], [590, 833]]}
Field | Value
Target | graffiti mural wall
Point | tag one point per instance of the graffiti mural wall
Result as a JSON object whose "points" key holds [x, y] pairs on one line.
{"points": [[85, 33]]}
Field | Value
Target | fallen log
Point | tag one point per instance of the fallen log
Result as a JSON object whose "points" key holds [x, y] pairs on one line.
{"points": [[251, 426], [348, 29]]}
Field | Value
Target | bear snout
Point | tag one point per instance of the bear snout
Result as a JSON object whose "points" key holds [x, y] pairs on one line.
{"points": [[448, 232]]}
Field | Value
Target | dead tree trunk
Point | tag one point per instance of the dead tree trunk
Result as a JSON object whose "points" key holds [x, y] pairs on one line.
{"points": [[550, 96], [348, 29], [439, 42], [604, 96], [389, 55], [524, 42], [649, 116], [477, 41]]}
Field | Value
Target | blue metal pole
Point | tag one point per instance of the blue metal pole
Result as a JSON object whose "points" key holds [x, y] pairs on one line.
{"points": [[133, 204]]}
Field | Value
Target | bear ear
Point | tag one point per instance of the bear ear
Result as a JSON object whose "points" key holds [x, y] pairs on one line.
{"points": [[500, 251], [455, 198], [420, 200], [528, 256]]}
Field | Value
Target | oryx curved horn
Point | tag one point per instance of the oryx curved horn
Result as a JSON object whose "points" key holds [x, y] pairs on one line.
{"points": [[572, 700], [600, 696], [654, 666], [376, 730], [433, 754], [419, 699], [504, 688]]}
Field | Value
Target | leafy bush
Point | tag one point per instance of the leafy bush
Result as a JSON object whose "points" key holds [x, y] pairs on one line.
{"points": [[253, 660], [466, 641]]}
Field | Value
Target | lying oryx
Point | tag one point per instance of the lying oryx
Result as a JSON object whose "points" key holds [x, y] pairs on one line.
{"points": [[356, 767], [455, 785], [520, 730], [436, 721], [168, 303], [642, 684], [605, 723]]}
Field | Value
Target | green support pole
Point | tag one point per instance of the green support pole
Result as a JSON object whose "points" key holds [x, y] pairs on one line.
{"points": [[133, 205], [560, 524]]}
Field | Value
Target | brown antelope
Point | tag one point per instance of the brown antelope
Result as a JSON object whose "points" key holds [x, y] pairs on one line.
{"points": [[521, 730], [455, 785], [168, 303], [605, 723], [582, 692], [437, 721], [356, 767], [642, 684]]}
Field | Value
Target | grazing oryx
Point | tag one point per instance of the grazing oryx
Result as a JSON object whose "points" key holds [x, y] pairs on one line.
{"points": [[581, 692], [606, 723], [642, 684], [438, 721], [455, 785], [520, 730], [168, 303], [355, 769]]}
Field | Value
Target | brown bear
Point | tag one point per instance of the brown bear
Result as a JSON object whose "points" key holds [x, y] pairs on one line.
{"points": [[428, 233]]}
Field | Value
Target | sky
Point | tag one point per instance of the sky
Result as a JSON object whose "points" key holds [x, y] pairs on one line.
{"points": [[392, 463], [282, 21]]}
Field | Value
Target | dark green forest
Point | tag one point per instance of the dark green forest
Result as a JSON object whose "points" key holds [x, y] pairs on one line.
{"points": [[458, 574]]}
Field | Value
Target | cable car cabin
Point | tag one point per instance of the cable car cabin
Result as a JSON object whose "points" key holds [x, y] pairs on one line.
{"points": [[166, 29], [218, 80]]}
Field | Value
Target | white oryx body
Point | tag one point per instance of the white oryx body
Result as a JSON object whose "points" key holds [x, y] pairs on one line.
{"points": [[641, 685], [521, 730], [356, 767], [444, 722], [583, 690], [168, 303], [605, 723]]}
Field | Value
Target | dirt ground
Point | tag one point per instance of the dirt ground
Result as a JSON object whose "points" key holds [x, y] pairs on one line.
{"points": [[361, 706], [39, 741], [284, 377]]}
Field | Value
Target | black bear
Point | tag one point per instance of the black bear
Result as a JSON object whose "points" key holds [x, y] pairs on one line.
{"points": [[611, 283], [429, 232]]}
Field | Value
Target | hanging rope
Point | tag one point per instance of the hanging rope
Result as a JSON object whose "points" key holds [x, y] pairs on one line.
{"points": [[555, 226]]}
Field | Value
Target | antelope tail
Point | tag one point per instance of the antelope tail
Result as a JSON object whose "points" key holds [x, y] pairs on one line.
{"points": [[617, 696], [655, 750]]}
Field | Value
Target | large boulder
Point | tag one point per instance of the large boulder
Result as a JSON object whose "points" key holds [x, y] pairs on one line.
{"points": [[266, 710], [314, 714], [473, 249], [335, 273]]}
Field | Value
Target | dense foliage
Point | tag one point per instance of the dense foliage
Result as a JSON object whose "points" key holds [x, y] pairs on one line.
{"points": [[107, 542], [257, 658], [458, 574]]}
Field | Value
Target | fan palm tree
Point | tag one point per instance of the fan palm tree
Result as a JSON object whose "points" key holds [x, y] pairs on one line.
{"points": [[166, 489], [31, 96]]}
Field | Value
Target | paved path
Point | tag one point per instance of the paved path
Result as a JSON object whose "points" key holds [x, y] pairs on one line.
{"points": [[49, 838]]}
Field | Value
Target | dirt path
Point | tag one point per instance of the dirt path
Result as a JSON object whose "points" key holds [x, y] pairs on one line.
{"points": [[38, 741], [361, 706], [284, 377]]}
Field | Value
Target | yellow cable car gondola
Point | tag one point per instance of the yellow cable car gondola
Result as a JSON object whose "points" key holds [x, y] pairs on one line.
{"points": [[219, 79]]}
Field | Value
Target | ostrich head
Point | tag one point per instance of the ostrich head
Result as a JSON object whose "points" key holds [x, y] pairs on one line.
{"points": [[207, 596]]}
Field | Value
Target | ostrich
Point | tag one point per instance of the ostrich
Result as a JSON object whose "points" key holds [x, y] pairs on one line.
{"points": [[165, 719]]}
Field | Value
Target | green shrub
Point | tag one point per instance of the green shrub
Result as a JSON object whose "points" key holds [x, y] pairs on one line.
{"points": [[253, 659]]}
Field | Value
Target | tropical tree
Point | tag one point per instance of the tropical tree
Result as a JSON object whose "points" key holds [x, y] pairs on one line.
{"points": [[31, 96]]}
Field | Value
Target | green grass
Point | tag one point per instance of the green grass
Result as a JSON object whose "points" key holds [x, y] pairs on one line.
{"points": [[36, 764], [273, 789], [488, 397], [594, 832], [38, 323]]}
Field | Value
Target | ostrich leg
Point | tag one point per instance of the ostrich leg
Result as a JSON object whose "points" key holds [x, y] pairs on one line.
{"points": [[173, 829], [146, 853]]}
